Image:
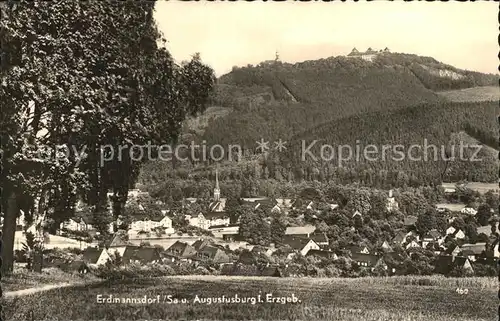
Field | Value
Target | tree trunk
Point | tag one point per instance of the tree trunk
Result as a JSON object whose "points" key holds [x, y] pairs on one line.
{"points": [[8, 233]]}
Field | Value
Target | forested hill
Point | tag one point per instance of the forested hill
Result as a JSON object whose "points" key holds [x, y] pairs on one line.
{"points": [[276, 100], [444, 125], [391, 100]]}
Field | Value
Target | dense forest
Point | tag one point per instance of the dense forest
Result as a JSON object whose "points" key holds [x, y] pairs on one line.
{"points": [[433, 124], [342, 101]]}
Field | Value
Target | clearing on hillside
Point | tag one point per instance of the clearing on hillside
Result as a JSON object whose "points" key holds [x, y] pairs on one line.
{"points": [[484, 93]]}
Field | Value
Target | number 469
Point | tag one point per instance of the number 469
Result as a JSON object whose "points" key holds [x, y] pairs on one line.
{"points": [[462, 291]]}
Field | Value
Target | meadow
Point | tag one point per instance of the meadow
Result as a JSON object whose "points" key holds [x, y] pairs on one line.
{"points": [[21, 279], [371, 299], [483, 93]]}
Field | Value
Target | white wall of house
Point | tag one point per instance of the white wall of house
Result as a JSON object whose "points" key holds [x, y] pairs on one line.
{"points": [[199, 221], [220, 221], [460, 235], [103, 258], [311, 245]]}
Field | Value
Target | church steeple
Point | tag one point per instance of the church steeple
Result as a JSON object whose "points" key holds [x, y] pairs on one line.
{"points": [[216, 189]]}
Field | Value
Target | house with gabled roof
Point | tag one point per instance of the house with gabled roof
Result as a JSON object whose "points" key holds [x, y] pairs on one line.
{"points": [[366, 260], [320, 238], [453, 250], [95, 257], [469, 211], [399, 238], [410, 221], [217, 219], [301, 245], [127, 255], [180, 251], [386, 246], [412, 244], [357, 249], [486, 229], [432, 236], [146, 255], [300, 231], [473, 251], [198, 220], [200, 243], [446, 263], [326, 254], [212, 254]]}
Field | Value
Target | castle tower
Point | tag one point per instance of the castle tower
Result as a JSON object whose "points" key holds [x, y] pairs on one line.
{"points": [[216, 189]]}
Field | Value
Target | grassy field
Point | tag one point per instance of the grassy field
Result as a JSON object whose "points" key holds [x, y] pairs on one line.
{"points": [[371, 299], [476, 186], [486, 93], [21, 279]]}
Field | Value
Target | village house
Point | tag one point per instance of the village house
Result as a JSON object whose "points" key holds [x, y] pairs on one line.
{"points": [[357, 214], [301, 245], [402, 237], [127, 255], [148, 225], [368, 260], [300, 231], [119, 245], [357, 249], [199, 221], [266, 251], [145, 255], [82, 224], [229, 233], [323, 254], [432, 236], [211, 254], [452, 207], [386, 246], [486, 230], [217, 219], [180, 251], [320, 238], [446, 263], [453, 250], [456, 234], [468, 211], [409, 221], [94, 257], [474, 251], [412, 244], [201, 243]]}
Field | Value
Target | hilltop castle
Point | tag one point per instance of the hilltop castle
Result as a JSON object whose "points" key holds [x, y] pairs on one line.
{"points": [[368, 55]]}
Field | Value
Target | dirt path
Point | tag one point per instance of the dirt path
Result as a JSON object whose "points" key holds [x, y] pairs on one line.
{"points": [[13, 294]]}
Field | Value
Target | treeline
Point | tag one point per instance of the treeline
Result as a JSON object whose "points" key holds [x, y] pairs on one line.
{"points": [[421, 126], [306, 95], [429, 127], [276, 100]]}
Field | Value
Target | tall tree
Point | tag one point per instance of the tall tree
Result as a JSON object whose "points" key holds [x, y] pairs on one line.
{"points": [[93, 77]]}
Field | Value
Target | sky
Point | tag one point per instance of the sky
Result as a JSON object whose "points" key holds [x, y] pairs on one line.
{"points": [[228, 34]]}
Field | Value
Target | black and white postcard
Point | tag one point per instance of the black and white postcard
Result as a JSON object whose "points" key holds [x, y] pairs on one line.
{"points": [[249, 160]]}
